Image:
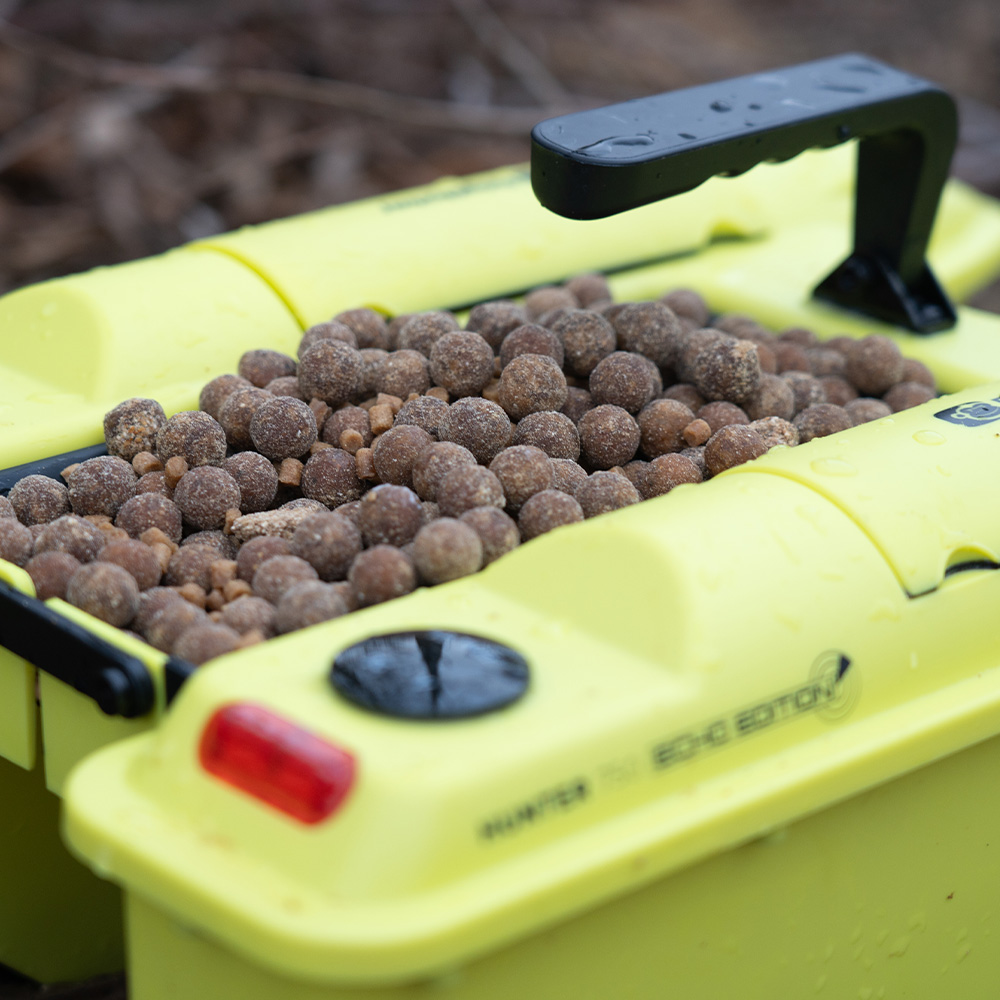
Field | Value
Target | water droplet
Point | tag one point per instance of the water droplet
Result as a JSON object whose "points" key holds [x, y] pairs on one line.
{"points": [[721, 106], [687, 135], [929, 437], [833, 467], [755, 107]]}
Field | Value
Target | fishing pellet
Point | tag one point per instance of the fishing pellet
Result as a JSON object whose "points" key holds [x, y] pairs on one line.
{"points": [[283, 427], [446, 549], [587, 339], [498, 532], [865, 409], [874, 365], [776, 431], [395, 452], [531, 383], [154, 482], [730, 446], [6, 507], [687, 394], [552, 432], [623, 379], [661, 427], [166, 625], [466, 487], [101, 485], [531, 339], [729, 371], [806, 390], [548, 510], [821, 420], [275, 575], [132, 426], [105, 591], [69, 533], [462, 363], [217, 392], [434, 462], [425, 412], [774, 398], [150, 510], [369, 327], [696, 433], [50, 572], [790, 357], [478, 425], [648, 328], [331, 477], [16, 541], [686, 303], [308, 603], [38, 500], [523, 471], [578, 401], [135, 558], [261, 366], [548, 297], [256, 479], [247, 613], [609, 436], [665, 472], [203, 496], [421, 332], [389, 515], [331, 371], [347, 418], [380, 574], [493, 321], [403, 372], [602, 492], [567, 475], [285, 385], [903, 395], [837, 390], [205, 642], [191, 564], [223, 545], [327, 540], [195, 436]]}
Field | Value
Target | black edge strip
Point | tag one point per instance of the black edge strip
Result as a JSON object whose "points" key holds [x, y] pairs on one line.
{"points": [[971, 564], [50, 467], [175, 673], [119, 683]]}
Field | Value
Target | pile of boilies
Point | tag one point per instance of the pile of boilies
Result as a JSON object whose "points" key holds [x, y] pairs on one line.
{"points": [[395, 454]]}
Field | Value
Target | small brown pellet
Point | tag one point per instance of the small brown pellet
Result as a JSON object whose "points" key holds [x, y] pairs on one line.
{"points": [[420, 332], [837, 390], [790, 357], [774, 398], [218, 391], [381, 574], [308, 603], [236, 589], [826, 361], [865, 409], [191, 564], [874, 365], [425, 412], [328, 541], [49, 571], [151, 603], [331, 371], [275, 575], [466, 487], [331, 330], [806, 390], [555, 433], [529, 384], [589, 288], [381, 419], [666, 472], [729, 371], [38, 499], [548, 510], [351, 418], [498, 532], [205, 642], [696, 433], [903, 395], [261, 366], [567, 475], [154, 482], [6, 508], [203, 496], [290, 472], [775, 431], [578, 401], [132, 426], [687, 394], [461, 362], [692, 343], [494, 320], [145, 462], [246, 613], [722, 414], [286, 385], [195, 436], [150, 510], [917, 371], [221, 572], [135, 558], [820, 421], [447, 549], [661, 427], [283, 427], [369, 327], [331, 477], [609, 436], [223, 545], [69, 533], [402, 372], [390, 515], [548, 297], [531, 339], [686, 303], [174, 471], [648, 328], [623, 379], [101, 485], [256, 479], [602, 492], [194, 594], [587, 338], [166, 625], [478, 425], [523, 471], [395, 452], [434, 463], [16, 541], [105, 591], [730, 446]]}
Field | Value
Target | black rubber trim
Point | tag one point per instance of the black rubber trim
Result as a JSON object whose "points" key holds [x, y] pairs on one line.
{"points": [[119, 683], [175, 673]]}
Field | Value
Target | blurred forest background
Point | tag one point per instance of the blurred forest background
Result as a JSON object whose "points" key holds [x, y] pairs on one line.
{"points": [[129, 127]]}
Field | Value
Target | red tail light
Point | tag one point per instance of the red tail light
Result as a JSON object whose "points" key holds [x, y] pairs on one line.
{"points": [[276, 761]]}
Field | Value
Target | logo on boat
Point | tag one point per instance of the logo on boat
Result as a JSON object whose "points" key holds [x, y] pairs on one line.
{"points": [[972, 414]]}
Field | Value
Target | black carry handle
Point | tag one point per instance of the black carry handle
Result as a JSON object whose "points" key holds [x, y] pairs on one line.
{"points": [[597, 163]]}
